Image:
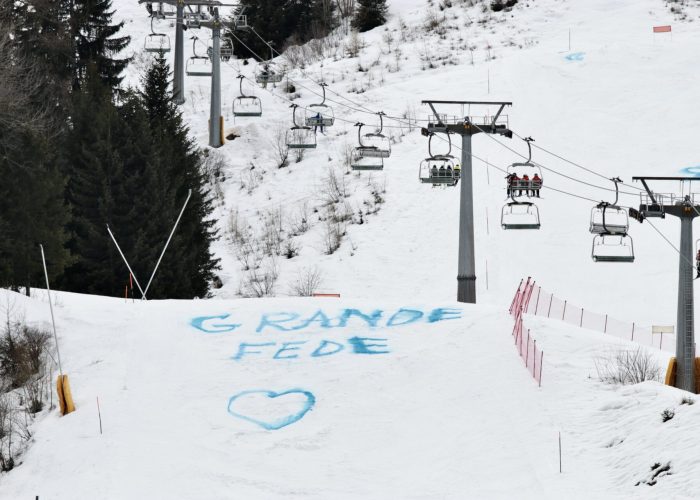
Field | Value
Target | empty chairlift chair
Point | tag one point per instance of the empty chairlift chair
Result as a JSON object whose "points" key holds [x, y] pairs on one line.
{"points": [[300, 137], [377, 144], [609, 224], [198, 65], [156, 42], [320, 115], [246, 105], [360, 160], [439, 170], [520, 215]]}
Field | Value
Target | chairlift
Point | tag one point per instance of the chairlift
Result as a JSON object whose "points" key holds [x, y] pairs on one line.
{"points": [[267, 73], [612, 248], [320, 115], [439, 169], [524, 177], [300, 137], [360, 160], [198, 65], [377, 144], [194, 18], [159, 10], [246, 105], [610, 224], [226, 49], [609, 219], [156, 42], [520, 215]]}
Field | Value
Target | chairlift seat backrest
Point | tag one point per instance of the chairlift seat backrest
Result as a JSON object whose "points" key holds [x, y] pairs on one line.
{"points": [[247, 106], [198, 66], [520, 215], [301, 138], [612, 248]]}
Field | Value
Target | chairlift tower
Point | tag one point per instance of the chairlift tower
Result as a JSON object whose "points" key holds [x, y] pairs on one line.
{"points": [[184, 11], [686, 208], [467, 127]]}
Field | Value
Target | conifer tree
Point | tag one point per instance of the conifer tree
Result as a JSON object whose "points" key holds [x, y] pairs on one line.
{"points": [[188, 266], [96, 43], [32, 208], [370, 14]]}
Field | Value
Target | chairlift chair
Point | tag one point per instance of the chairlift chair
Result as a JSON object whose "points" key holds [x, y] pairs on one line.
{"points": [[226, 49], [156, 42], [377, 143], [610, 224], [198, 65], [320, 115], [359, 162], [533, 184], [246, 105], [268, 74], [520, 215], [609, 219], [439, 169], [300, 137], [612, 248]]}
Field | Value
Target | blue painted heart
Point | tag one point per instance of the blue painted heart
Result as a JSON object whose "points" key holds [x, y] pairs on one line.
{"points": [[271, 398]]}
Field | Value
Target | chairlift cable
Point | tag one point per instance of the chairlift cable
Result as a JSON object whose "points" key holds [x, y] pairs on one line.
{"points": [[548, 168], [573, 163]]}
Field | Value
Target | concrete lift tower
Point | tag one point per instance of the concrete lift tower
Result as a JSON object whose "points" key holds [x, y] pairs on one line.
{"points": [[466, 126], [686, 207]]}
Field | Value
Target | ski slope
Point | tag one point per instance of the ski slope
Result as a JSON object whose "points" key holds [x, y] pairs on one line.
{"points": [[413, 400], [448, 411]]}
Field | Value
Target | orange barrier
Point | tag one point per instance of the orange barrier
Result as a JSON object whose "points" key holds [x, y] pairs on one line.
{"points": [[325, 295]]}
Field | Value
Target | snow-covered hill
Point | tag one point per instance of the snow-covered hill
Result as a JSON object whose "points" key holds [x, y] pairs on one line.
{"points": [[311, 398], [620, 102], [428, 409]]}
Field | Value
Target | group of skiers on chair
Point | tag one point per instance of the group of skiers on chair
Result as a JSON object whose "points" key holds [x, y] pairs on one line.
{"points": [[445, 172], [516, 185]]}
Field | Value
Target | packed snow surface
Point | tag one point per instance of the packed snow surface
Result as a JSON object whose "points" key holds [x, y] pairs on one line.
{"points": [[427, 398]]}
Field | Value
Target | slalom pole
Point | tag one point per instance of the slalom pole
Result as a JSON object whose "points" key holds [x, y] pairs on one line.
{"points": [[53, 321], [189, 194], [143, 295]]}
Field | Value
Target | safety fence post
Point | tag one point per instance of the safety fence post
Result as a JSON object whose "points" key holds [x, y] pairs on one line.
{"points": [[564, 313], [534, 357], [581, 322], [515, 299], [551, 298], [537, 301], [633, 331], [605, 330], [541, 358], [527, 348]]}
